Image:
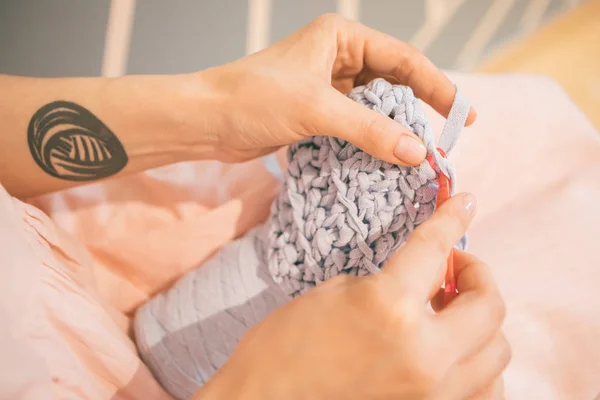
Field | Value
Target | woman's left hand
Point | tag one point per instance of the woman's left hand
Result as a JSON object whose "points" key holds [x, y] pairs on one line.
{"points": [[293, 90], [235, 112]]}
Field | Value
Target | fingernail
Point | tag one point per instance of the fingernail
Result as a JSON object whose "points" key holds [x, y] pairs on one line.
{"points": [[410, 150], [470, 203]]}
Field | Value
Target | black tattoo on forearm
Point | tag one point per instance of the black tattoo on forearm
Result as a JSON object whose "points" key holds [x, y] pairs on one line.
{"points": [[69, 142]]}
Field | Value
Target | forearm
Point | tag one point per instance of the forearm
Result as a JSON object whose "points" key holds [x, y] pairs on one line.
{"points": [[58, 133]]}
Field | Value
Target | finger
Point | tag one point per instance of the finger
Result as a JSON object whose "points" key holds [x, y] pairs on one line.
{"points": [[437, 301], [477, 313], [387, 56], [418, 266], [375, 133], [441, 298], [479, 372]]}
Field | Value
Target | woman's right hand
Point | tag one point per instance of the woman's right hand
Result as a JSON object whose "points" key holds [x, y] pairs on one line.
{"points": [[373, 337]]}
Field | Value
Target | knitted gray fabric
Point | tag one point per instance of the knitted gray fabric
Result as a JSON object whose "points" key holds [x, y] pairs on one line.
{"points": [[339, 211], [343, 210], [186, 333]]}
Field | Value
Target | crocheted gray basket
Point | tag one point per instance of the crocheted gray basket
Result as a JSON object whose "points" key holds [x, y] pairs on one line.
{"points": [[339, 211], [343, 211]]}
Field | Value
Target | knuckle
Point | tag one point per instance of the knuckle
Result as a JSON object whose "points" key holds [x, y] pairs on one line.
{"points": [[496, 308], [366, 297], [407, 314], [368, 126], [426, 377], [504, 352], [373, 295], [433, 238], [394, 298], [329, 20], [418, 59], [456, 216], [407, 68], [397, 313], [368, 135]]}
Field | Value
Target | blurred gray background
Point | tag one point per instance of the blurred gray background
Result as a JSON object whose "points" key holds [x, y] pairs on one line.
{"points": [[67, 37]]}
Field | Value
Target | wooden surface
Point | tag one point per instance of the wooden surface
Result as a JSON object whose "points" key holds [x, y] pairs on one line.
{"points": [[567, 49]]}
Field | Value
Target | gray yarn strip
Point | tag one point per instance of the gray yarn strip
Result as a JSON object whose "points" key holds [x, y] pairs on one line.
{"points": [[450, 133], [339, 211], [187, 333], [457, 117], [272, 165]]}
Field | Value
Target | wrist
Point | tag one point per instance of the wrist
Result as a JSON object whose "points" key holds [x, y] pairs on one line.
{"points": [[161, 119]]}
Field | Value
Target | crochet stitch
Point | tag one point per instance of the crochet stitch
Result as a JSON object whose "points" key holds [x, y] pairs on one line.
{"points": [[342, 210], [339, 211]]}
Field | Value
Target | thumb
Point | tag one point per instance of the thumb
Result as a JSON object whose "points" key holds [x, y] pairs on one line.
{"points": [[375, 133], [415, 268]]}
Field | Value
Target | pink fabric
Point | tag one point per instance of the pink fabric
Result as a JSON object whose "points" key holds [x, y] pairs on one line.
{"points": [[76, 264]]}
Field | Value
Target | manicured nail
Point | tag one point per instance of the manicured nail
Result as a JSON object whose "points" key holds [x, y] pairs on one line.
{"points": [[470, 203], [410, 150]]}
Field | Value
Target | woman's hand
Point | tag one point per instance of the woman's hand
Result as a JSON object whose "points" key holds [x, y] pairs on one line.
{"points": [[373, 338], [68, 131], [292, 90]]}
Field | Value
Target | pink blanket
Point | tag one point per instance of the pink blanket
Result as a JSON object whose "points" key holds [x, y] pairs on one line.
{"points": [[75, 265]]}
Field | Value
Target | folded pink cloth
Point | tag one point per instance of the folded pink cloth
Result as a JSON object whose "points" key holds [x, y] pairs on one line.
{"points": [[75, 265]]}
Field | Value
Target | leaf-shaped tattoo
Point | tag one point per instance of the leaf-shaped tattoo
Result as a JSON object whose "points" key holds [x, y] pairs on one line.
{"points": [[69, 142]]}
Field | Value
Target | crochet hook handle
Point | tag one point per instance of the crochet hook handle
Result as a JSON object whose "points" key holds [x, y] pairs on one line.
{"points": [[444, 193]]}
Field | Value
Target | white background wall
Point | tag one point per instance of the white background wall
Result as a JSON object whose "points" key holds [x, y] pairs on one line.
{"points": [[67, 37]]}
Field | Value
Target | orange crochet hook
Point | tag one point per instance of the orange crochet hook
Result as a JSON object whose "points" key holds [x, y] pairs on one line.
{"points": [[443, 194]]}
